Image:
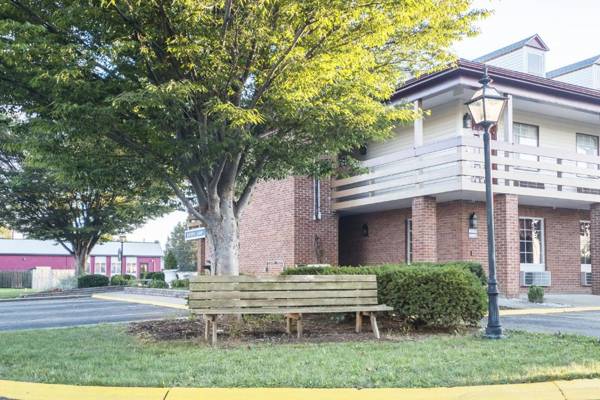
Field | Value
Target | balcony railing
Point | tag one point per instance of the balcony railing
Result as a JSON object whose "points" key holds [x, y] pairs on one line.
{"points": [[456, 164]]}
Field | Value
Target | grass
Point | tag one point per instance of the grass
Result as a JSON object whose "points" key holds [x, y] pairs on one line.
{"points": [[13, 293], [107, 355]]}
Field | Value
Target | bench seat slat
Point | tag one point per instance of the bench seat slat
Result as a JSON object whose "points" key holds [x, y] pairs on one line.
{"points": [[234, 303], [290, 310], [283, 278], [283, 294], [261, 286]]}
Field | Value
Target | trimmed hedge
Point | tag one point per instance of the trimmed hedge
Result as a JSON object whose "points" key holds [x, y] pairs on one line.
{"points": [[180, 284], [432, 295], [158, 284], [155, 276], [93, 280], [121, 280]]}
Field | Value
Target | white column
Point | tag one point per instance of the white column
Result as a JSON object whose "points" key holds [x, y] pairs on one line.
{"points": [[418, 141], [508, 119]]}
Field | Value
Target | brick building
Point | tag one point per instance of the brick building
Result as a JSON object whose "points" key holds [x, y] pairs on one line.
{"points": [[422, 197]]}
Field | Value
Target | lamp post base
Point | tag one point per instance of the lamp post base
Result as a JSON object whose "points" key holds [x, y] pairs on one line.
{"points": [[493, 332]]}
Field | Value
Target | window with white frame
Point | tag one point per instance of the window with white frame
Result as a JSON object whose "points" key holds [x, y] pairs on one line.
{"points": [[587, 145], [584, 246], [527, 135], [115, 266], [131, 265], [409, 244], [100, 265], [316, 198], [531, 244]]}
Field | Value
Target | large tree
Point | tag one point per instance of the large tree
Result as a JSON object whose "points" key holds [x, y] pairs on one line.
{"points": [[185, 252], [223, 93], [75, 193]]}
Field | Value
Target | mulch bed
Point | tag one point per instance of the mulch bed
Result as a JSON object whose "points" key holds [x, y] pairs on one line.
{"points": [[271, 329]]}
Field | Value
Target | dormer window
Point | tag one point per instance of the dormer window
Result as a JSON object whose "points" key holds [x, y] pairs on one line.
{"points": [[535, 64]]}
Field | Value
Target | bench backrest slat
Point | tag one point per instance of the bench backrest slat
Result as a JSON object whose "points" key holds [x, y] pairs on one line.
{"points": [[247, 292]]}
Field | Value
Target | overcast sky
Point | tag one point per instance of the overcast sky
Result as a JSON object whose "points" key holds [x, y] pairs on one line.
{"points": [[571, 30]]}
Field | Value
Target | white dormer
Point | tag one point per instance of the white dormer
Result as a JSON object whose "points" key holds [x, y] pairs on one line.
{"points": [[583, 73], [527, 55]]}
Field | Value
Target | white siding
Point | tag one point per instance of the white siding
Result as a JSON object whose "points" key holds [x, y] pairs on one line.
{"points": [[555, 132], [514, 60], [581, 77], [441, 123], [402, 140]]}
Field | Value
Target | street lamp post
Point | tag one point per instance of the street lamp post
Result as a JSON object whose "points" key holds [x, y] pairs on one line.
{"points": [[485, 108]]}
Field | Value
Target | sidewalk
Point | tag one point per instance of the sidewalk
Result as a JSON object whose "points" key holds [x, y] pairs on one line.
{"points": [[161, 301], [582, 389]]}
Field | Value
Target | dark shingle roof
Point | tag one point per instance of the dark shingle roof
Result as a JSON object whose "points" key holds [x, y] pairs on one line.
{"points": [[512, 47], [573, 67]]}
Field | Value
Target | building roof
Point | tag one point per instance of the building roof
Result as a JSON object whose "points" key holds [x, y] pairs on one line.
{"points": [[531, 41], [500, 75], [50, 248], [574, 67]]}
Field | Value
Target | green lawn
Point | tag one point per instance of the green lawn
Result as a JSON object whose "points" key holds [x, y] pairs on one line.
{"points": [[12, 293], [106, 355]]}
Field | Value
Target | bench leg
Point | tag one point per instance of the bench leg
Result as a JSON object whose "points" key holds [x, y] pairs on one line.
{"points": [[374, 325], [288, 325], [299, 326], [358, 326], [206, 322], [214, 331]]}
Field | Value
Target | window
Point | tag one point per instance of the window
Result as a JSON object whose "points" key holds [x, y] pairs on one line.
{"points": [[531, 243], [100, 265], [584, 245], [409, 245], [317, 198], [115, 266], [587, 145], [131, 265], [535, 64], [527, 135]]}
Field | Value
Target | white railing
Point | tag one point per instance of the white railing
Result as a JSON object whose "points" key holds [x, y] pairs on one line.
{"points": [[456, 164]]}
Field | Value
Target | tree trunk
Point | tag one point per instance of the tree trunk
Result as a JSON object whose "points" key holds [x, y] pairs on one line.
{"points": [[223, 231], [81, 257]]}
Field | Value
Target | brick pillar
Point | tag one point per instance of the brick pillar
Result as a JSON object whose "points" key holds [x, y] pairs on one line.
{"points": [[424, 229], [506, 222], [595, 246]]}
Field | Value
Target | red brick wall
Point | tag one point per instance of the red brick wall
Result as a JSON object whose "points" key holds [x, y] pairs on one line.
{"points": [[506, 221], [424, 227], [316, 241], [595, 247], [385, 243], [267, 228]]}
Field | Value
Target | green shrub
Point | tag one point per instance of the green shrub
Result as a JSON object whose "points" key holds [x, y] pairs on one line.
{"points": [[535, 294], [181, 284], [158, 284], [158, 276], [433, 295], [95, 280], [121, 280]]}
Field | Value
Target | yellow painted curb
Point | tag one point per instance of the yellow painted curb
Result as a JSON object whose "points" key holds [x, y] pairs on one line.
{"points": [[542, 311], [139, 301], [582, 389]]}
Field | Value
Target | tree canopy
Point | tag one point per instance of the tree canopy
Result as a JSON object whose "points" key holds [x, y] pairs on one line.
{"points": [[222, 93], [73, 192]]}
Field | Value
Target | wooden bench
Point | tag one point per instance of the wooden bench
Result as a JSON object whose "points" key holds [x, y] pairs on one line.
{"points": [[291, 295]]}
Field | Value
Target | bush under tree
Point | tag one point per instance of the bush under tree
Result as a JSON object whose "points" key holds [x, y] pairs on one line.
{"points": [[94, 280]]}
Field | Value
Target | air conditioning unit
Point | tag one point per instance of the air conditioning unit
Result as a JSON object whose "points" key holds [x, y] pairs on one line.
{"points": [[537, 278], [586, 279]]}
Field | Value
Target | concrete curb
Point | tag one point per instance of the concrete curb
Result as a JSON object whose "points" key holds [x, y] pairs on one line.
{"points": [[140, 301], [581, 389], [542, 311], [78, 296]]}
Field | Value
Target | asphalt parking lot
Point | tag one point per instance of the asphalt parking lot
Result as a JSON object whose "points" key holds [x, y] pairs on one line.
{"points": [[581, 323], [58, 313]]}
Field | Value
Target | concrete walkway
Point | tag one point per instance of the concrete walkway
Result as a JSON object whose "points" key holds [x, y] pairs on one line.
{"points": [[161, 301], [553, 301], [582, 389]]}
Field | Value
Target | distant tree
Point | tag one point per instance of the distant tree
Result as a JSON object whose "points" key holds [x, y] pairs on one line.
{"points": [[224, 93], [77, 193], [185, 252], [170, 260], [5, 233]]}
